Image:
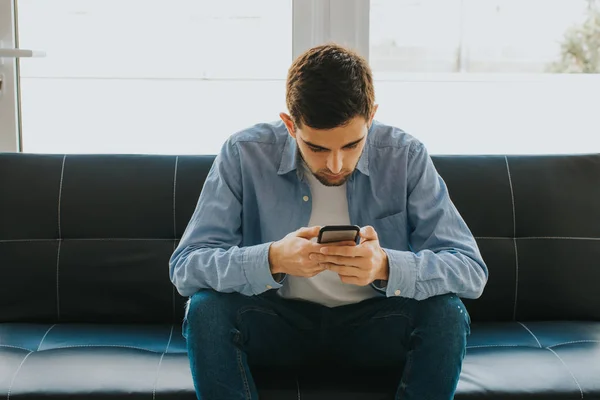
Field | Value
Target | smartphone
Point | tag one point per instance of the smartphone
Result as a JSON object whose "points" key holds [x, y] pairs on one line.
{"points": [[339, 233]]}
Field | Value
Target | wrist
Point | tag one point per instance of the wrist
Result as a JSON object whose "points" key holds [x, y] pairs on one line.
{"points": [[274, 258], [384, 272]]}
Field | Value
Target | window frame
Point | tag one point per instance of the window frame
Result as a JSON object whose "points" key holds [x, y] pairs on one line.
{"points": [[10, 138]]}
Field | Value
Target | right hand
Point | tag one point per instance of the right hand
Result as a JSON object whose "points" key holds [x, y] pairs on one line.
{"points": [[290, 255]]}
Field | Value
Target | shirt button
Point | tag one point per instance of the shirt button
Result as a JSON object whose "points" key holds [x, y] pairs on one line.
{"points": [[305, 198], [397, 292], [269, 287]]}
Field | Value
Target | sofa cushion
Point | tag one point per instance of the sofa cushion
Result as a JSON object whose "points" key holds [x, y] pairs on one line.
{"points": [[553, 360]]}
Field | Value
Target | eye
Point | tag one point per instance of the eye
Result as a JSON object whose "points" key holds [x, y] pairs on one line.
{"points": [[316, 149], [352, 147]]}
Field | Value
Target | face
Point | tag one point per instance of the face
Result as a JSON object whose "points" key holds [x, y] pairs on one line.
{"points": [[331, 155]]}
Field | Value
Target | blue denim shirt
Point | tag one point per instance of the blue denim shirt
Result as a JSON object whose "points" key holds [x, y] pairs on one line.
{"points": [[255, 194]]}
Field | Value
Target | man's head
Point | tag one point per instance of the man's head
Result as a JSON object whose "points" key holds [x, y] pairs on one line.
{"points": [[331, 101]]}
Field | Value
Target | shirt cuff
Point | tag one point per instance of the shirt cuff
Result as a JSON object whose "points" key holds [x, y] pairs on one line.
{"points": [[279, 277], [402, 279], [255, 264], [380, 285]]}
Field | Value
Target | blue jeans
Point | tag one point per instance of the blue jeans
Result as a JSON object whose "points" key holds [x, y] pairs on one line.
{"points": [[227, 333]]}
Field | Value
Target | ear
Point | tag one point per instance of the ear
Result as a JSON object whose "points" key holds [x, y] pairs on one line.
{"points": [[289, 124], [375, 107]]}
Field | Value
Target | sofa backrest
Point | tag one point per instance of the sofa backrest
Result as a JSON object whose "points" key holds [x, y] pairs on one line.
{"points": [[87, 238], [537, 223]]}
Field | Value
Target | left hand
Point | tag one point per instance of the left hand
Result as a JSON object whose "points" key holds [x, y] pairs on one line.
{"points": [[358, 265]]}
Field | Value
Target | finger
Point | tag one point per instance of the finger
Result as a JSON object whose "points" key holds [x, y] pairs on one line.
{"points": [[333, 244], [346, 251], [308, 233], [342, 269], [319, 258], [367, 233], [312, 268], [357, 262], [313, 261], [311, 247]]}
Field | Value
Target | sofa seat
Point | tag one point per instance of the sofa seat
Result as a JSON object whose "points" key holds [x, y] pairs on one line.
{"points": [[516, 360]]}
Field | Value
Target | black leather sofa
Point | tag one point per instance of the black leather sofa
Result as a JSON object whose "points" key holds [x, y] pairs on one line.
{"points": [[87, 310]]}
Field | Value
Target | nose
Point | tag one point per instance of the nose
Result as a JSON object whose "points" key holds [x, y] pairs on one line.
{"points": [[335, 162]]}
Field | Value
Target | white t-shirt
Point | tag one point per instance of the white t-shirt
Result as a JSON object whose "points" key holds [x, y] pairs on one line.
{"points": [[329, 207]]}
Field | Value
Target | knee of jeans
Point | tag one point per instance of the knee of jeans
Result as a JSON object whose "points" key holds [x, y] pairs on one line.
{"points": [[209, 306], [446, 314]]}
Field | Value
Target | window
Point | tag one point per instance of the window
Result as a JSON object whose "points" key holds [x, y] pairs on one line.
{"points": [[142, 76], [180, 76], [484, 76]]}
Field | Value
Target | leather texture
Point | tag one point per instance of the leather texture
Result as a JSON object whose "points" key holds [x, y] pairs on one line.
{"points": [[87, 310]]}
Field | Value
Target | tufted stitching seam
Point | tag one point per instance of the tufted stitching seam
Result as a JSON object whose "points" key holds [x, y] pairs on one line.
{"points": [[572, 342], [529, 330], [495, 345], [160, 362], [174, 203], [12, 381], [173, 304], [57, 281], [560, 237], [174, 309], [14, 347], [170, 338], [60, 189], [516, 278], [298, 387], [102, 345], [536, 238], [512, 196], [174, 234], [568, 370], [159, 239], [82, 239], [44, 337]]}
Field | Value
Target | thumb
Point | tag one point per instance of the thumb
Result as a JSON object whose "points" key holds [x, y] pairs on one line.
{"points": [[308, 233], [367, 233]]}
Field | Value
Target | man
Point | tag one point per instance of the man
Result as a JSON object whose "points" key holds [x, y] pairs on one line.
{"points": [[264, 293]]}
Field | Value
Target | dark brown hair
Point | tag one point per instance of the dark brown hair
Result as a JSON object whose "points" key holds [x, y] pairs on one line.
{"points": [[329, 85]]}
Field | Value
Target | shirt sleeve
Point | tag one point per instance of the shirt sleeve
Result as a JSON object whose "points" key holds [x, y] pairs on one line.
{"points": [[209, 253], [445, 257]]}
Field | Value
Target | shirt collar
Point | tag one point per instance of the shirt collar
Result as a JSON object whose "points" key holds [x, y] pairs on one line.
{"points": [[290, 160], [363, 161]]}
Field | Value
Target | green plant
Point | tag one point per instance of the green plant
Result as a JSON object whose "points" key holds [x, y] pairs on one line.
{"points": [[580, 49]]}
